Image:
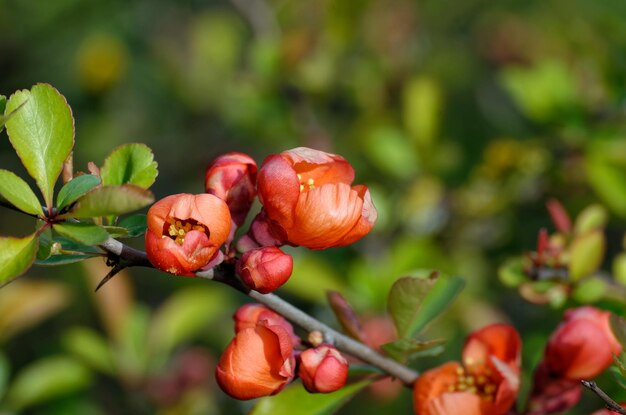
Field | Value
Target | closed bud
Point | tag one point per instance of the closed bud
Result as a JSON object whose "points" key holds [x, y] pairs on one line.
{"points": [[185, 232], [232, 178], [249, 315], [258, 362], [583, 345], [323, 369], [265, 269], [263, 232]]}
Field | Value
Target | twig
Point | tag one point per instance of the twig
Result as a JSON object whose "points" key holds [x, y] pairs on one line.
{"points": [[225, 274], [608, 402]]}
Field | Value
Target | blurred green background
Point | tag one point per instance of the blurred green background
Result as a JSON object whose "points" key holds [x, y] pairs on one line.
{"points": [[462, 117]]}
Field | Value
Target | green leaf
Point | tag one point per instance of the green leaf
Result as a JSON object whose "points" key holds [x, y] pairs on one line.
{"points": [[85, 233], [589, 290], [16, 256], [63, 259], [619, 268], [46, 379], [42, 134], [76, 188], [586, 254], [116, 231], [618, 327], [130, 163], [4, 374], [403, 350], [90, 347], [45, 245], [185, 314], [136, 225], [82, 252], [592, 217], [512, 273], [295, 400], [18, 193], [414, 302], [112, 201]]}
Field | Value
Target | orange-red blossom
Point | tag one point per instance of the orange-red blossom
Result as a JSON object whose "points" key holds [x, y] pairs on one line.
{"points": [[265, 269], [486, 383], [185, 232], [322, 369], [309, 194]]}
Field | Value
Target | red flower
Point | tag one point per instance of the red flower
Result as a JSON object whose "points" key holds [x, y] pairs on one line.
{"points": [[265, 269], [249, 315], [485, 384], [582, 346], [186, 231], [232, 178], [322, 369], [309, 194], [258, 362]]}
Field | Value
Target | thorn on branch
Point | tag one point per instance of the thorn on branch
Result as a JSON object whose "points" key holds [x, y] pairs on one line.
{"points": [[608, 402], [114, 271]]}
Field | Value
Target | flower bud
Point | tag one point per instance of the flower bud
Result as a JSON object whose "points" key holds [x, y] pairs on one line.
{"points": [[232, 178], [263, 232], [583, 345], [249, 315], [185, 232], [265, 269], [258, 362], [323, 369]]}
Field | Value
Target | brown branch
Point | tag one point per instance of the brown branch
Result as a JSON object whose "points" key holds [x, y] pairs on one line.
{"points": [[225, 274], [608, 402]]}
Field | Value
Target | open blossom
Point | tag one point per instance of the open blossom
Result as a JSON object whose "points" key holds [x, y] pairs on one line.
{"points": [[265, 269], [232, 178], [582, 346], [486, 383], [322, 369], [258, 362], [185, 232], [309, 194]]}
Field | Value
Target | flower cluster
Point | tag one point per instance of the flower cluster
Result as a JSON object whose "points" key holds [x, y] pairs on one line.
{"points": [[261, 359]]}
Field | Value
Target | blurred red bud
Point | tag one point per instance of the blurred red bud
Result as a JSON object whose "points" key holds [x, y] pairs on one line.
{"points": [[185, 232], [559, 216], [265, 269], [232, 178], [322, 369], [583, 345], [249, 315], [258, 362]]}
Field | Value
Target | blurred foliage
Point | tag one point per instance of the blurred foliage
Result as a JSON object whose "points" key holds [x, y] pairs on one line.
{"points": [[463, 117]]}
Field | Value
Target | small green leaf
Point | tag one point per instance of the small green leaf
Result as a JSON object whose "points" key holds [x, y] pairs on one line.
{"points": [[18, 193], [186, 313], [85, 233], [592, 217], [512, 273], [112, 201], [403, 350], [79, 253], [589, 290], [116, 231], [586, 254], [42, 134], [46, 379], [130, 163], [16, 256], [295, 400], [136, 225], [414, 302], [619, 268], [45, 245], [76, 188], [90, 347], [618, 327]]}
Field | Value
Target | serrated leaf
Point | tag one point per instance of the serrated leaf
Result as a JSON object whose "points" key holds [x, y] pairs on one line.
{"points": [[16, 256], [586, 254], [295, 400], [136, 225], [46, 379], [618, 327], [90, 347], [130, 163], [345, 315], [18, 193], [76, 188], [85, 233], [404, 350], [112, 201], [184, 314], [414, 302], [42, 134]]}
